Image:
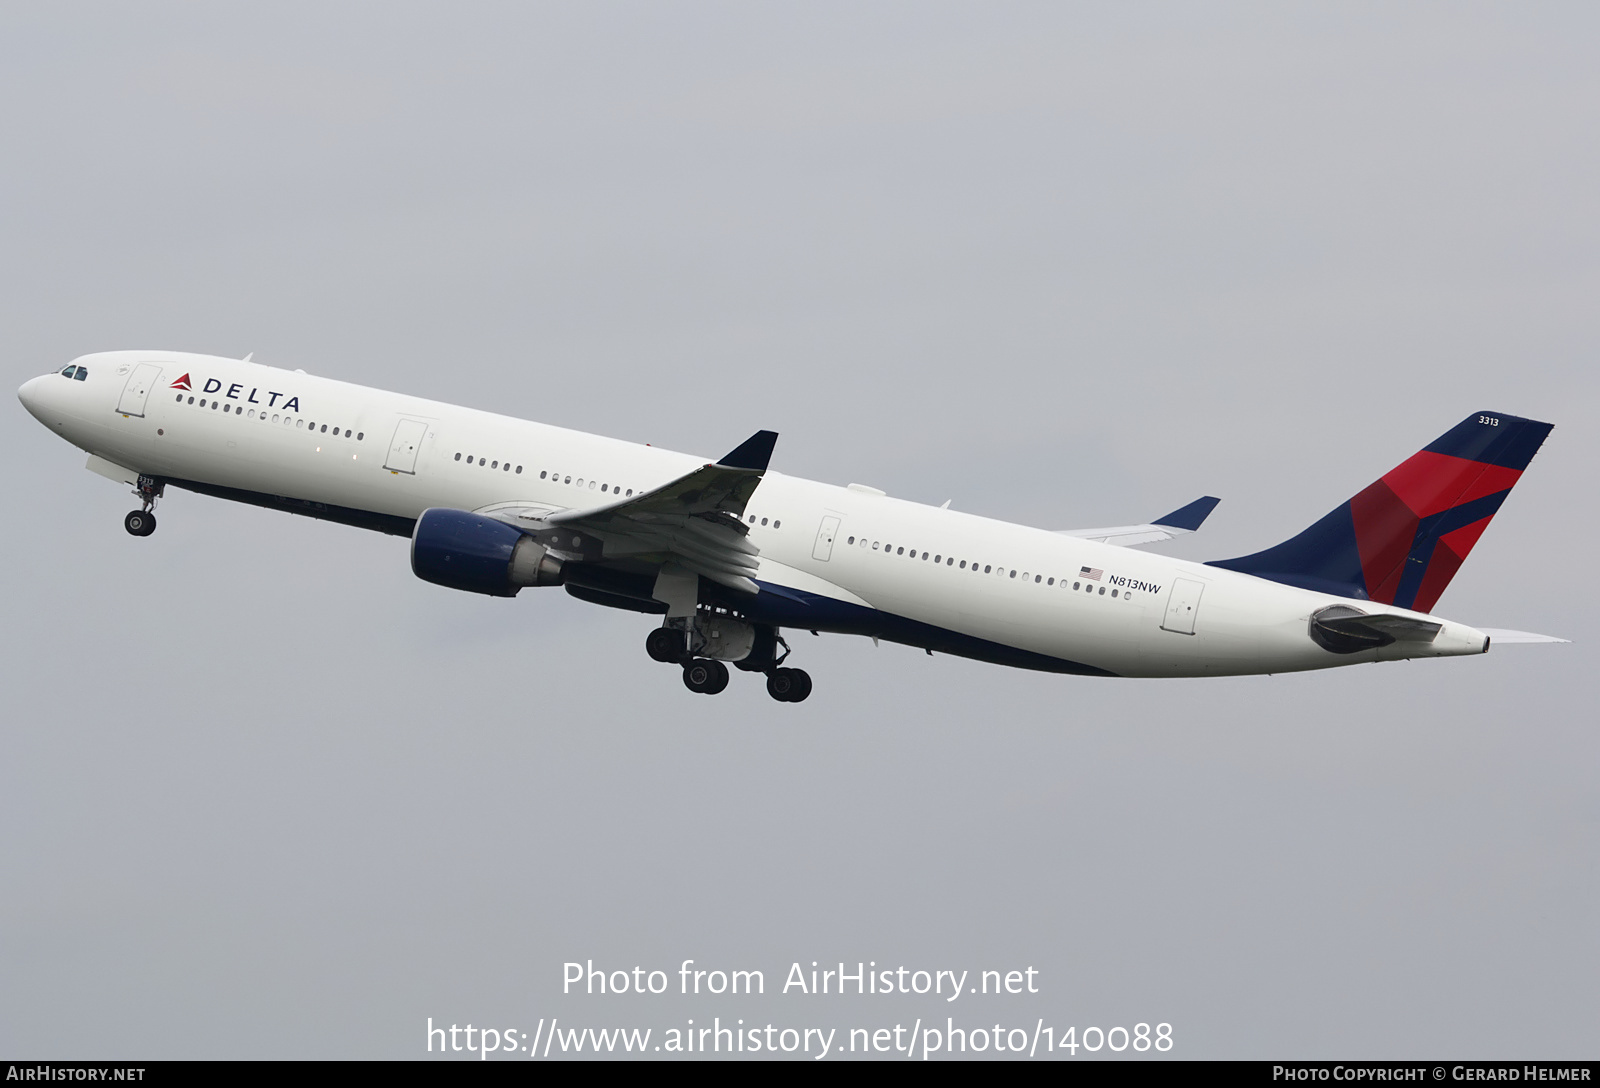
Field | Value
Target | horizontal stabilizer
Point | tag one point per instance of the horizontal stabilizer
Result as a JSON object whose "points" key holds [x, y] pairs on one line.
{"points": [[1184, 520], [1499, 636], [1346, 630]]}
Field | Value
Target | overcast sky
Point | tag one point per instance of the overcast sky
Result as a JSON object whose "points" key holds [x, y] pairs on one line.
{"points": [[263, 793]]}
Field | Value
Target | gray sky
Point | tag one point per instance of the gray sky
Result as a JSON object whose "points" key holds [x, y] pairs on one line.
{"points": [[264, 793]]}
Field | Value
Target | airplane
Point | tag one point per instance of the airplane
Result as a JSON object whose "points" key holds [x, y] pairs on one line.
{"points": [[730, 554]]}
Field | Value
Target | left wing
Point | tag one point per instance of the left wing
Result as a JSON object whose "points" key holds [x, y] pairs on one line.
{"points": [[1185, 519], [693, 522]]}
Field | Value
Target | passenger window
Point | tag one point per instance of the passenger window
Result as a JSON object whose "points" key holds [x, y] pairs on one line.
{"points": [[569, 480], [630, 492], [1102, 591], [1036, 579], [950, 562], [963, 564], [507, 467], [851, 541], [202, 403], [299, 423], [180, 398], [874, 545], [603, 488], [986, 569], [580, 481], [899, 551], [591, 485], [1113, 593], [458, 457], [1051, 582], [360, 435], [542, 474], [519, 470], [495, 465], [763, 521], [252, 413], [1013, 574], [777, 524], [324, 428], [1074, 585]]}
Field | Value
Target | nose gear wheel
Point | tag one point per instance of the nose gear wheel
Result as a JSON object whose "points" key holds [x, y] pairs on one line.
{"points": [[142, 522]]}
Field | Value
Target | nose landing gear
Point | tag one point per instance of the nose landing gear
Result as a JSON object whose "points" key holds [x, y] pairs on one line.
{"points": [[142, 522]]}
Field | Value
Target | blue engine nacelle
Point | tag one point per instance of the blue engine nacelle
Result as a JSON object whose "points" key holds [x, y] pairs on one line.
{"points": [[462, 550]]}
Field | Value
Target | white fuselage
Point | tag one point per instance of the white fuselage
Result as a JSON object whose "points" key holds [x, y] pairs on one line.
{"points": [[975, 586]]}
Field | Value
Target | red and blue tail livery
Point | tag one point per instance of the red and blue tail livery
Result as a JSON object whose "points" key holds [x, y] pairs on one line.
{"points": [[1403, 538]]}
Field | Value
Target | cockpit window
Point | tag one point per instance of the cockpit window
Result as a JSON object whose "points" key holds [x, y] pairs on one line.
{"points": [[82, 374], [79, 372], [68, 371]]}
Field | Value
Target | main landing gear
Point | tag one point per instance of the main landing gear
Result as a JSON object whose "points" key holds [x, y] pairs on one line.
{"points": [[142, 522], [708, 676], [789, 685], [705, 676]]}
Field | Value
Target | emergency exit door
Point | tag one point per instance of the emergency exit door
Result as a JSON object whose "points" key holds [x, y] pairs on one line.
{"points": [[140, 382], [823, 548], [407, 443], [1183, 603]]}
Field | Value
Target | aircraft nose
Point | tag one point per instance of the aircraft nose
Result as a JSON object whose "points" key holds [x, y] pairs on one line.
{"points": [[31, 397]]}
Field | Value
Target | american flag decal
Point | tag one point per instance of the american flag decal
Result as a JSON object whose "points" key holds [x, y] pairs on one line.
{"points": [[1091, 573]]}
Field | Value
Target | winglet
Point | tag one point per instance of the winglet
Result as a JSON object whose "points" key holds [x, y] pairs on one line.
{"points": [[1189, 517], [753, 453]]}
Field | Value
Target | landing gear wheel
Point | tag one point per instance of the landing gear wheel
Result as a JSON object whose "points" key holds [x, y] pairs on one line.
{"points": [[705, 677], [789, 685], [665, 644], [140, 523]]}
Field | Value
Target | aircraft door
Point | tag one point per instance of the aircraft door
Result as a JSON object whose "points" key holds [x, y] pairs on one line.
{"points": [[823, 548], [1183, 602], [140, 382], [407, 443]]}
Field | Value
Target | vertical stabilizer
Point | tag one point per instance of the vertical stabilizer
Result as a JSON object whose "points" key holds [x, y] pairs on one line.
{"points": [[1403, 538]]}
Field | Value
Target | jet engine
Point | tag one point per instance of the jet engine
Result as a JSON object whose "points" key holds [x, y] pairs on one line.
{"points": [[462, 550]]}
